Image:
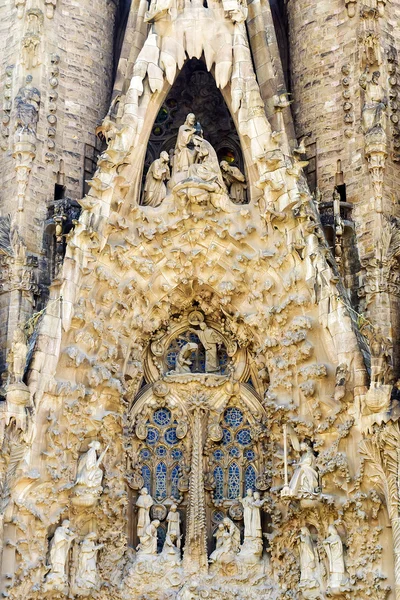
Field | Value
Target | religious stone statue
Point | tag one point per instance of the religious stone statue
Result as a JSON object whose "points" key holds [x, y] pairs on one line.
{"points": [[305, 478], [184, 156], [334, 549], [375, 104], [17, 355], [170, 552], [148, 541], [233, 532], [144, 503], [210, 340], [183, 362], [27, 103], [308, 560], [235, 182], [155, 189], [59, 549], [174, 524], [251, 514], [87, 577], [89, 475], [252, 547], [206, 166]]}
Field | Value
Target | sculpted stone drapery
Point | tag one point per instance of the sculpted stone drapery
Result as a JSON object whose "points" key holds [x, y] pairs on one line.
{"points": [[305, 478], [174, 524], [375, 105], [89, 474], [308, 560], [251, 515], [87, 578], [155, 189], [210, 340], [144, 503], [235, 181], [59, 550], [17, 356], [184, 155], [27, 103], [148, 541], [334, 549]]}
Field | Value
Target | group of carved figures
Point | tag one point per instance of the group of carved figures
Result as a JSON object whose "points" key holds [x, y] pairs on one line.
{"points": [[88, 484], [310, 572], [227, 534], [147, 530], [195, 158], [86, 577]]}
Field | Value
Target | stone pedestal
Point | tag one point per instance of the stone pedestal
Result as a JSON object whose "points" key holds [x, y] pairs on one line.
{"points": [[18, 400]]}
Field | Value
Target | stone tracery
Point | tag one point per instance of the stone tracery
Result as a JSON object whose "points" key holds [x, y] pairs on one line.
{"points": [[160, 343]]}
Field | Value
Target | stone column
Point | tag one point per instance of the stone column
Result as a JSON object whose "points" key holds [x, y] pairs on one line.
{"points": [[195, 554]]}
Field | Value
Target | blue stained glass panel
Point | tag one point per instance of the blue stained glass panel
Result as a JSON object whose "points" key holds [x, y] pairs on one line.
{"points": [[244, 437], [250, 479], [161, 535], [152, 436], [161, 451], [170, 436], [162, 417], [226, 437], [219, 483], [176, 453], [174, 482], [146, 474], [233, 481], [144, 454], [161, 481], [234, 451], [218, 516], [218, 454], [249, 454], [233, 417]]}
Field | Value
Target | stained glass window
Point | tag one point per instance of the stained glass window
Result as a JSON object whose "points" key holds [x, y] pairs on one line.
{"points": [[161, 451], [233, 417], [233, 481], [161, 481], [250, 478], [146, 474], [219, 483], [243, 437], [218, 455], [234, 454], [162, 417], [161, 456], [226, 436], [152, 435], [174, 482], [170, 436]]}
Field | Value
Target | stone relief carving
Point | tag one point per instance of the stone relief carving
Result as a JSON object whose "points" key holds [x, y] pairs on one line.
{"points": [[60, 546], [27, 103], [155, 189], [89, 476], [195, 440], [235, 182]]}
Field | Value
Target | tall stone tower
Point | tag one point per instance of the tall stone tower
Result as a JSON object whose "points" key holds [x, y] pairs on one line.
{"points": [[57, 67], [199, 250]]}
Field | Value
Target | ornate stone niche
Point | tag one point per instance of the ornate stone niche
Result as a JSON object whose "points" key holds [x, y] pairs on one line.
{"points": [[195, 91], [196, 461]]}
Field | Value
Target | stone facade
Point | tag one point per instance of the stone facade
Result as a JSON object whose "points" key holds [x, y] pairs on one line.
{"points": [[198, 395]]}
